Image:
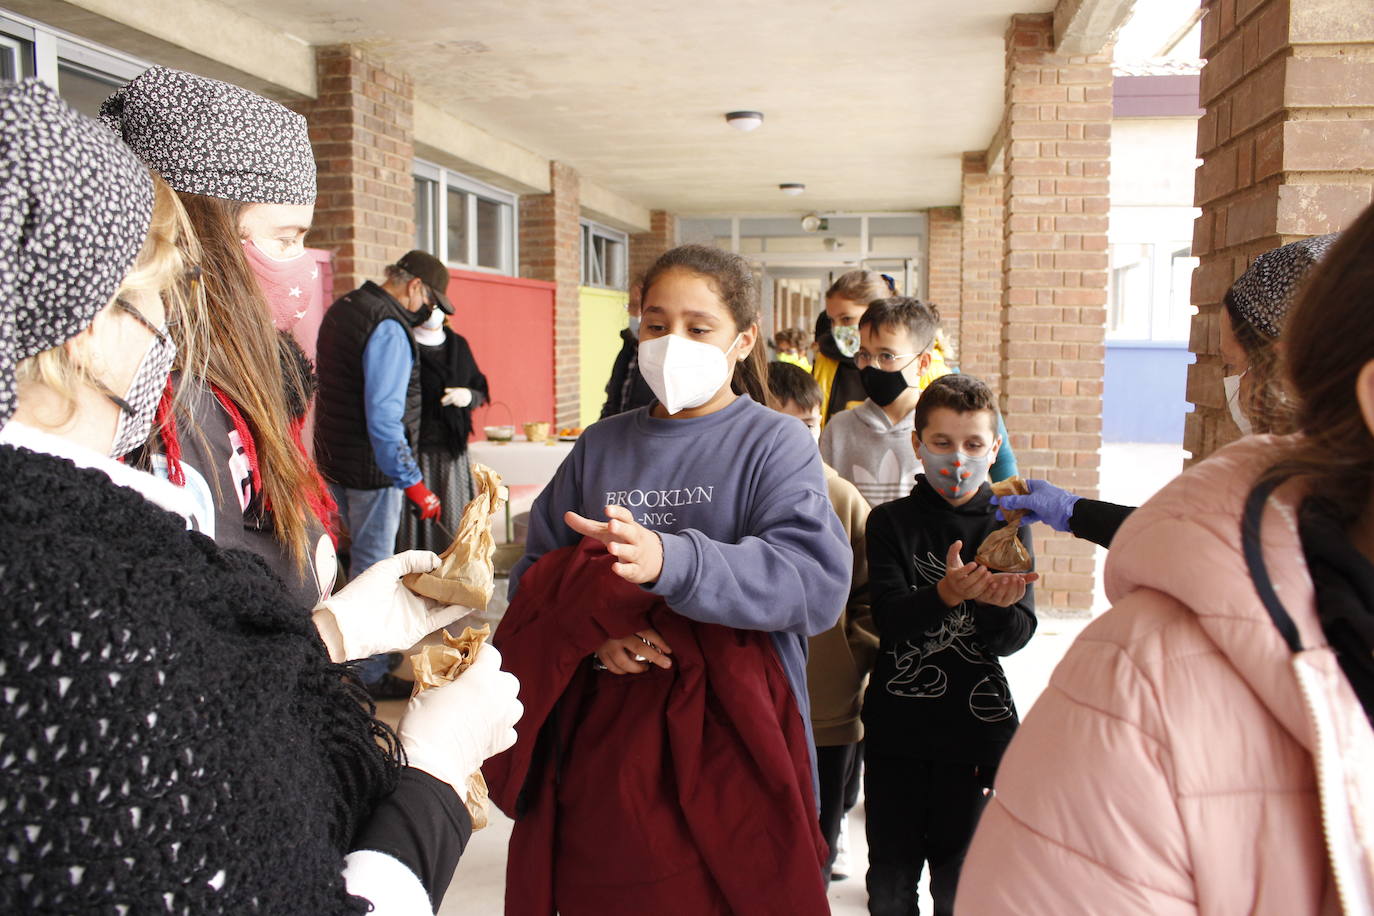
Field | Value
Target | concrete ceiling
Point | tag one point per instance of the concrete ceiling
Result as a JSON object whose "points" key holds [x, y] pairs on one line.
{"points": [[870, 103]]}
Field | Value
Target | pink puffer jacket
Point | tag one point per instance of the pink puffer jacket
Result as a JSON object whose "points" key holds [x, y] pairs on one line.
{"points": [[1183, 760]]}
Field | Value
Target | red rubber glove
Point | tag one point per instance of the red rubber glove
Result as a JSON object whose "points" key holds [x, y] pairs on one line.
{"points": [[425, 501]]}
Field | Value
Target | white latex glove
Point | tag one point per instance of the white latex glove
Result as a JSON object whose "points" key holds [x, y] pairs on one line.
{"points": [[448, 731], [376, 613], [456, 397]]}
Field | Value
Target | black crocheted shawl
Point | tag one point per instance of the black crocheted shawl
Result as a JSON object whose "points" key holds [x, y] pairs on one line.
{"points": [[173, 738]]}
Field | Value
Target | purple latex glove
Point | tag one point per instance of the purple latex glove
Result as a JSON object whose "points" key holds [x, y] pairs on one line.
{"points": [[1046, 503]]}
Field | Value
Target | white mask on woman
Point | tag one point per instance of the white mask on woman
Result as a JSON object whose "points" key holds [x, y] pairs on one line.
{"points": [[1231, 384], [683, 373]]}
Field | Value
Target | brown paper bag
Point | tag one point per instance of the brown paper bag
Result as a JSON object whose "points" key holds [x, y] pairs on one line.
{"points": [[465, 576], [436, 665], [1002, 550]]}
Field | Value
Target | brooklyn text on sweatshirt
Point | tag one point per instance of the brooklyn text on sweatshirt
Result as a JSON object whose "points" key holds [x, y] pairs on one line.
{"points": [[938, 690], [741, 505]]}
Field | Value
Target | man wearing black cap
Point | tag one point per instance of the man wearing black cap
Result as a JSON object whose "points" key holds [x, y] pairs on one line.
{"points": [[368, 410]]}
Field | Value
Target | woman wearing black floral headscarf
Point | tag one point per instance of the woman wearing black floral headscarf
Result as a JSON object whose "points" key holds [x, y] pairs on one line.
{"points": [[1256, 306], [243, 168], [176, 737]]}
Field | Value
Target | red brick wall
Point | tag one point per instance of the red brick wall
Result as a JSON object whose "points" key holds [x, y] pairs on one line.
{"points": [[1059, 112], [550, 240], [645, 247], [361, 127], [944, 251], [979, 333], [1288, 91]]}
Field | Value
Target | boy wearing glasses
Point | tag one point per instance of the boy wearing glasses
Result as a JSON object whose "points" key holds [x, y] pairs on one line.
{"points": [[870, 445]]}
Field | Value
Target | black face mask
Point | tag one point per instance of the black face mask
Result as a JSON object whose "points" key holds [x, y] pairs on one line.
{"points": [[420, 315], [883, 387]]}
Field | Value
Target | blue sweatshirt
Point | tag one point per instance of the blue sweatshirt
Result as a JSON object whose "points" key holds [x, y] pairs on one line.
{"points": [[740, 502], [386, 376]]}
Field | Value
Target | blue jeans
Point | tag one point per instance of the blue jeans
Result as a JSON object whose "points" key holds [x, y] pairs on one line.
{"points": [[372, 517]]}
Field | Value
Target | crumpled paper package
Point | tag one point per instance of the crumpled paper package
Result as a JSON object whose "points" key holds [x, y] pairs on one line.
{"points": [[1002, 550], [465, 574], [436, 665]]}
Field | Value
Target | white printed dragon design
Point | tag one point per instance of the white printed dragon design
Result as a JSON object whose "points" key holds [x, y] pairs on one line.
{"points": [[919, 678]]}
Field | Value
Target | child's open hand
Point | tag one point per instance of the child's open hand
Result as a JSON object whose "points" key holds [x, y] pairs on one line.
{"points": [[962, 581], [638, 550], [621, 656], [1007, 588]]}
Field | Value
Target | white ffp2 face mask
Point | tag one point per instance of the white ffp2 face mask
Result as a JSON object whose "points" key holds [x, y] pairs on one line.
{"points": [[1231, 384], [683, 373]]}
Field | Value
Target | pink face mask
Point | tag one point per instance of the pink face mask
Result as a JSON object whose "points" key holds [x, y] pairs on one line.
{"points": [[290, 285]]}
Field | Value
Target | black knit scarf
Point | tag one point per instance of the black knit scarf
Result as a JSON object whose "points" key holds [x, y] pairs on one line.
{"points": [[175, 737]]}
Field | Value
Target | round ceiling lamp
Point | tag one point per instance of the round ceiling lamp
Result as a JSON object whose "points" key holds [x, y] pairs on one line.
{"points": [[744, 120], [810, 222], [792, 188]]}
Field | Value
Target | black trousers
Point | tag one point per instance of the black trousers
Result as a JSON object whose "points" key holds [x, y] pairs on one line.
{"points": [[837, 770], [919, 811]]}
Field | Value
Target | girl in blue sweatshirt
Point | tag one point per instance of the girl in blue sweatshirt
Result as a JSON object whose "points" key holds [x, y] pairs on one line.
{"points": [[706, 498]]}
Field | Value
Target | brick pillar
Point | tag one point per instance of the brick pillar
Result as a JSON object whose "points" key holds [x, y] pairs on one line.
{"points": [[978, 332], [1285, 145], [361, 128], [550, 240], [943, 252], [1059, 112], [645, 247]]}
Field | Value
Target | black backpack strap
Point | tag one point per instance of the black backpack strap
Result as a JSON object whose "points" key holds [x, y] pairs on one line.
{"points": [[1254, 559]]}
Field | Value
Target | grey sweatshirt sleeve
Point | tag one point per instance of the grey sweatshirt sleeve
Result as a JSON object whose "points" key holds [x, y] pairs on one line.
{"points": [[790, 573]]}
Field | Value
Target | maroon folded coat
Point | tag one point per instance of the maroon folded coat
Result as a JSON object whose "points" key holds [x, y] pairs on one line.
{"points": [[679, 791]]}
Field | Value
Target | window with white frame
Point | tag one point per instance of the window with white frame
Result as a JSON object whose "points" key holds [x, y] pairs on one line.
{"points": [[1149, 292], [84, 73], [605, 256], [464, 222]]}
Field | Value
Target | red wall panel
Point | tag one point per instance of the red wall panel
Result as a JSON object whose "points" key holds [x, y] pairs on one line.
{"points": [[509, 324]]}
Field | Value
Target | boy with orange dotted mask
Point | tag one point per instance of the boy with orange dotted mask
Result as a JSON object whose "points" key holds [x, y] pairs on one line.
{"points": [[938, 712]]}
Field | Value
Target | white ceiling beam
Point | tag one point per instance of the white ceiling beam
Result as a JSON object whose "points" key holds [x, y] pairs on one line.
{"points": [[1085, 27], [448, 140], [608, 207], [200, 36]]}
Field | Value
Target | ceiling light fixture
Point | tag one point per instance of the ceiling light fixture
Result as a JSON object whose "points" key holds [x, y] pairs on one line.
{"points": [[744, 120], [792, 188], [811, 222]]}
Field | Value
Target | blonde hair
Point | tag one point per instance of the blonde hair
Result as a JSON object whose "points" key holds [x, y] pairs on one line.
{"points": [[165, 264], [861, 286]]}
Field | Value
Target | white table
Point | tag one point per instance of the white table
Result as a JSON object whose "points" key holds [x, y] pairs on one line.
{"points": [[520, 464]]}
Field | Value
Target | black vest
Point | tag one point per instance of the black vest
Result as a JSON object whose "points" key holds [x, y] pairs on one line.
{"points": [[342, 447]]}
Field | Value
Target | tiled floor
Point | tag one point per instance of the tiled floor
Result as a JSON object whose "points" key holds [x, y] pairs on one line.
{"points": [[1130, 474]]}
